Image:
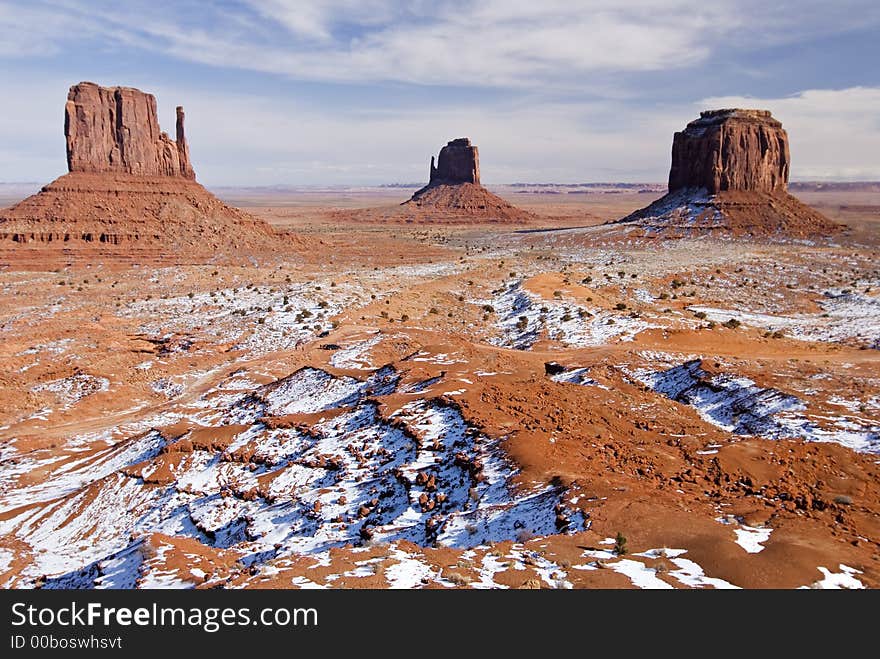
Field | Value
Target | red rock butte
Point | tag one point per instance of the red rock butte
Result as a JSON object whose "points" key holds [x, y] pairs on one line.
{"points": [[116, 129], [459, 162], [729, 177], [454, 192], [130, 192]]}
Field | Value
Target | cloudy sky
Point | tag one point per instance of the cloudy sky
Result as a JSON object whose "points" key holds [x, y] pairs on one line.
{"points": [[319, 92]]}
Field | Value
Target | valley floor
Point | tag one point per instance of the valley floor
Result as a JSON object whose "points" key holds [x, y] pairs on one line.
{"points": [[449, 406]]}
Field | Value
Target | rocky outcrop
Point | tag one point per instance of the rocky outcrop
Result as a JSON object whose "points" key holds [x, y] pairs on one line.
{"points": [[729, 178], [131, 194], [186, 169], [116, 129], [459, 162], [454, 193], [731, 149]]}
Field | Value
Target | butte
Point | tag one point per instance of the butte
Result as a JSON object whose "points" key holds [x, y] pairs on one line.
{"points": [[729, 178], [454, 192], [130, 193]]}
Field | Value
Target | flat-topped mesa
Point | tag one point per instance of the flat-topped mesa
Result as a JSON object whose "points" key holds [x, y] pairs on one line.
{"points": [[459, 162], [731, 150], [116, 129]]}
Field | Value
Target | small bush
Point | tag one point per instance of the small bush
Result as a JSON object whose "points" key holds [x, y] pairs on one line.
{"points": [[620, 544], [620, 306], [732, 323]]}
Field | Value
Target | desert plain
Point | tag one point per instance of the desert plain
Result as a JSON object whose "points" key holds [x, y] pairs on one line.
{"points": [[428, 403]]}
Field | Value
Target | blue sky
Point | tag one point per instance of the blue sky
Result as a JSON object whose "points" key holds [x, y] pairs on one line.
{"points": [[364, 92]]}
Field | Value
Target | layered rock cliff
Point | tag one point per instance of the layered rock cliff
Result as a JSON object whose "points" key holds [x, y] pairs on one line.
{"points": [[459, 162], [729, 178], [131, 193], [116, 129], [454, 193], [745, 150]]}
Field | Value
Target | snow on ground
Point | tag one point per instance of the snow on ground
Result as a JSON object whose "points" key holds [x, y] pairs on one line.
{"points": [[577, 376], [422, 474], [837, 580], [355, 355], [737, 405], [72, 389], [688, 573], [845, 317], [522, 318], [751, 538], [255, 319]]}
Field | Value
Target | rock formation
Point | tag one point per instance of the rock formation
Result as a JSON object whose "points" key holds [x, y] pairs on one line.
{"points": [[459, 162], [116, 129], [729, 176], [454, 192], [129, 184], [731, 150]]}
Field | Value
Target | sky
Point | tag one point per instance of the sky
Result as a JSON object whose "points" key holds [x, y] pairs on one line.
{"points": [[363, 92]]}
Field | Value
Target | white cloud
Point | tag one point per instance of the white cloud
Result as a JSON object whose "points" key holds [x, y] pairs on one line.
{"points": [[513, 43], [834, 134]]}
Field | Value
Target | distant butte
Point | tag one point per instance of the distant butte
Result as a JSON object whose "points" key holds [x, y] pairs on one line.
{"points": [[454, 192], [459, 162], [729, 176], [129, 184]]}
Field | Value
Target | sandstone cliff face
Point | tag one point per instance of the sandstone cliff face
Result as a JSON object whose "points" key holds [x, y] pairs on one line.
{"points": [[459, 162], [731, 150], [116, 130], [130, 194], [729, 178]]}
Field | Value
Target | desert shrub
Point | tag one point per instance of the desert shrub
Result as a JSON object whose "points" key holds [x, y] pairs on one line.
{"points": [[404, 318], [557, 294], [522, 323], [701, 315], [488, 308], [433, 310], [732, 323], [620, 544], [620, 306]]}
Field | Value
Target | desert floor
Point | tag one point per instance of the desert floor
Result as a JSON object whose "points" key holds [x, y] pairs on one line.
{"points": [[430, 405]]}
